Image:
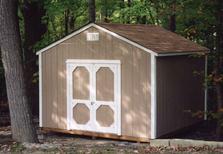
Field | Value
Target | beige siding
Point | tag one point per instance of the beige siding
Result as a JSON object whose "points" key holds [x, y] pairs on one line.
{"points": [[135, 79], [179, 90]]}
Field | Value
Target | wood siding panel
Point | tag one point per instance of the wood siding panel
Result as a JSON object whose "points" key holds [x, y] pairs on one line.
{"points": [[50, 88], [124, 52], [140, 107], [62, 53], [135, 78], [179, 90]]}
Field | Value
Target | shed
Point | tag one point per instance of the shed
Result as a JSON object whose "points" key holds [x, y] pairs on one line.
{"points": [[122, 81]]}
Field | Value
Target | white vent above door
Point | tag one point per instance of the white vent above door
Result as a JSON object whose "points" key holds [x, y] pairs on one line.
{"points": [[92, 36]]}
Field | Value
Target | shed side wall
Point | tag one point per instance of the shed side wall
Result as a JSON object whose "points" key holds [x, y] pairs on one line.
{"points": [[135, 80], [179, 91]]}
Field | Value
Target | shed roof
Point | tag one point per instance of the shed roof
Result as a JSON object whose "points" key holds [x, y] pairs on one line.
{"points": [[155, 38], [151, 38]]}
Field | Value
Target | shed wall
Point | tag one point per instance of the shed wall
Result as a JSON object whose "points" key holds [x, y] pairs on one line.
{"points": [[179, 91], [135, 80]]}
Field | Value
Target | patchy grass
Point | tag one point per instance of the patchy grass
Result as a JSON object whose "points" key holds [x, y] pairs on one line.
{"points": [[17, 147]]}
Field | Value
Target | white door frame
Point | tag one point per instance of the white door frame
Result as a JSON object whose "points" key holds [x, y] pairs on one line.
{"points": [[92, 66]]}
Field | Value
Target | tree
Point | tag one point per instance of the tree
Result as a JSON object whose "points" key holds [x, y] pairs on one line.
{"points": [[172, 18], [32, 13], [23, 129], [219, 65], [91, 10]]}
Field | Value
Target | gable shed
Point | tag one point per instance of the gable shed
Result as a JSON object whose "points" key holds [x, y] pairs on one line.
{"points": [[132, 82]]}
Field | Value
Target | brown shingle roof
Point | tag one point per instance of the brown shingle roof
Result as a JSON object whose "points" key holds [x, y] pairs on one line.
{"points": [[154, 38]]}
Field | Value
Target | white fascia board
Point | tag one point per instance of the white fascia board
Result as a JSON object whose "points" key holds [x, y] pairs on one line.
{"points": [[40, 92], [65, 38]]}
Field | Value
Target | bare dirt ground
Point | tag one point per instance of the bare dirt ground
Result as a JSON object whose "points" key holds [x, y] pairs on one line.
{"points": [[63, 143]]}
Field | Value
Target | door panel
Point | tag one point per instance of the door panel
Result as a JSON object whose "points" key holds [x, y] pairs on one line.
{"points": [[106, 104], [105, 116], [93, 96], [78, 96], [81, 80], [105, 84], [81, 113]]}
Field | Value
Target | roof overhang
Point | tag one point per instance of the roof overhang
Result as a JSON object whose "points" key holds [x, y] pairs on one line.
{"points": [[117, 36], [203, 52]]}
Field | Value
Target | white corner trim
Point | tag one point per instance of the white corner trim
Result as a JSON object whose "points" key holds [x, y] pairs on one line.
{"points": [[68, 93], [206, 89], [124, 39], [153, 98], [40, 92], [65, 38], [119, 94]]}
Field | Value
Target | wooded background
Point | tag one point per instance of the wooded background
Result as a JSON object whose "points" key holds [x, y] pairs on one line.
{"points": [[42, 22]]}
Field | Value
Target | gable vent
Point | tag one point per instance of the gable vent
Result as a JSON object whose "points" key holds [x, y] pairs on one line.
{"points": [[92, 36]]}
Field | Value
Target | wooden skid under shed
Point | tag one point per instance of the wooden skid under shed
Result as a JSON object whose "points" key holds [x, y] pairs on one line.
{"points": [[95, 134]]}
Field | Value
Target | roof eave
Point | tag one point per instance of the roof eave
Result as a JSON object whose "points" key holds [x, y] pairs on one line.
{"points": [[98, 27], [200, 52], [121, 38]]}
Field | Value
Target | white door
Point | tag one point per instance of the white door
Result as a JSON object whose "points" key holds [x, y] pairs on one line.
{"points": [[94, 95]]}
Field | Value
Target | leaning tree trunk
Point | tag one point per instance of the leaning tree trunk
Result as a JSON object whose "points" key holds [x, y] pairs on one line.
{"points": [[23, 129]]}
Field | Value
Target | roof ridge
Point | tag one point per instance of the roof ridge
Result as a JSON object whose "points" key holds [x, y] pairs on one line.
{"points": [[124, 24]]}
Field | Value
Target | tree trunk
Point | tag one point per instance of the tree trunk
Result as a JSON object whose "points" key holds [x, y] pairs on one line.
{"points": [[129, 5], [172, 19], [23, 129], [172, 24], [66, 21], [71, 22], [33, 30], [219, 65], [91, 10]]}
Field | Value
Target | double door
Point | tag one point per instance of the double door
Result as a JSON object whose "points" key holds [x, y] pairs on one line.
{"points": [[93, 95]]}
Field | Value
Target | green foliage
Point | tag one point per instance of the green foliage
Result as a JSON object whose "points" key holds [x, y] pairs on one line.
{"points": [[137, 12], [60, 13]]}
